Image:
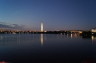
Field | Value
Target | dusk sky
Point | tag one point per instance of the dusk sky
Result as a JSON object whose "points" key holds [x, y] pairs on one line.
{"points": [[55, 14]]}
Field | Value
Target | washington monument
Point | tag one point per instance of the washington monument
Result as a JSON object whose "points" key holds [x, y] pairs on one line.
{"points": [[42, 27]]}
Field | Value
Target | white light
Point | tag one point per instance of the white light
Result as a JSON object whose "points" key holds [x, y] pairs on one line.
{"points": [[42, 27], [41, 39], [93, 30], [92, 37]]}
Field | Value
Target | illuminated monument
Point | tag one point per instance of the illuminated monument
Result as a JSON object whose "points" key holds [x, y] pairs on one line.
{"points": [[42, 27], [41, 36]]}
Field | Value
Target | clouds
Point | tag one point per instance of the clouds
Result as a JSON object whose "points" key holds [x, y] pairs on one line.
{"points": [[11, 26]]}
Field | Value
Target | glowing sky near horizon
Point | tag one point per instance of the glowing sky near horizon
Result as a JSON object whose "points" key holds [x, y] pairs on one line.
{"points": [[55, 14]]}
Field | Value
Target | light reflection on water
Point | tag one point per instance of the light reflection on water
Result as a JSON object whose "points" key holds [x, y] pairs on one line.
{"points": [[41, 39], [93, 38], [27, 47]]}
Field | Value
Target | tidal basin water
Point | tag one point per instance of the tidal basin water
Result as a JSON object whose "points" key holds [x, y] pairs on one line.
{"points": [[47, 48]]}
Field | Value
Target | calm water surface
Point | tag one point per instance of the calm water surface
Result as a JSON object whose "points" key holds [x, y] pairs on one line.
{"points": [[47, 48]]}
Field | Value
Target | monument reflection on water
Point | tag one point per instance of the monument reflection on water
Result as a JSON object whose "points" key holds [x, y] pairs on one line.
{"points": [[41, 39], [68, 48]]}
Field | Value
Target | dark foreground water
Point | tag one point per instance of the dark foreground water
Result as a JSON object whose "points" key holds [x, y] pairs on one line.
{"points": [[47, 48]]}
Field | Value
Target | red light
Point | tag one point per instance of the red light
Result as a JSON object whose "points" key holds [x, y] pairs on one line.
{"points": [[3, 62]]}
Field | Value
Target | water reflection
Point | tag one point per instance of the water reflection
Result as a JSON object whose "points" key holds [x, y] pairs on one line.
{"points": [[41, 39], [77, 35], [1, 37], [93, 38], [73, 35], [18, 40], [69, 46]]}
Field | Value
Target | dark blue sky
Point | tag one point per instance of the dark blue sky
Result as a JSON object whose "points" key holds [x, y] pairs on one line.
{"points": [[56, 14]]}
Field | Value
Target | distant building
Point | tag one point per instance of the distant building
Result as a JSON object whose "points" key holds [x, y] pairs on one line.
{"points": [[93, 30], [42, 27], [76, 31]]}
